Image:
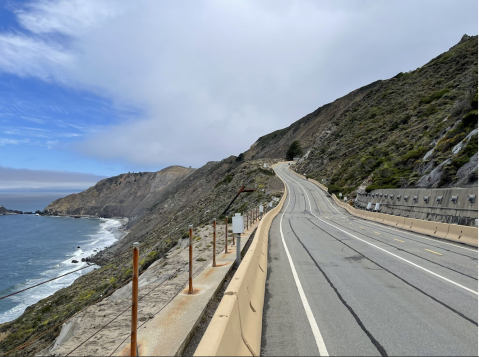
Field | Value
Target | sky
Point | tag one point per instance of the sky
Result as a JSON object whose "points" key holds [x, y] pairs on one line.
{"points": [[103, 87]]}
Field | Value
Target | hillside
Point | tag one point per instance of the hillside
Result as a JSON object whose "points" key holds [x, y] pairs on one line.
{"points": [[406, 131], [128, 195]]}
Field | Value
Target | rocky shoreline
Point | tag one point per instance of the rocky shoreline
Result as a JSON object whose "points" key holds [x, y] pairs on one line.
{"points": [[4, 211]]}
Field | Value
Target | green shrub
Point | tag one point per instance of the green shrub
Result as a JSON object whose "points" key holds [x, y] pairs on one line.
{"points": [[294, 150], [434, 96], [413, 154], [470, 118]]}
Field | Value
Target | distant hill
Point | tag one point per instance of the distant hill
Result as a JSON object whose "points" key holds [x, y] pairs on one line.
{"points": [[127, 195], [417, 129]]}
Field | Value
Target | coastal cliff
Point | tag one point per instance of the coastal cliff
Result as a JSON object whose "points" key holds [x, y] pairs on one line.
{"points": [[128, 195]]}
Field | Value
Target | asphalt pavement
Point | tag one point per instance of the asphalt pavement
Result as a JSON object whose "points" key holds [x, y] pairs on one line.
{"points": [[341, 285]]}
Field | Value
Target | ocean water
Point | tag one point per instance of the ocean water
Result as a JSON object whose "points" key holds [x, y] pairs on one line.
{"points": [[35, 249], [29, 201]]}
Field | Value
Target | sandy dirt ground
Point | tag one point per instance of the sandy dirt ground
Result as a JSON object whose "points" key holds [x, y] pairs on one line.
{"points": [[85, 335]]}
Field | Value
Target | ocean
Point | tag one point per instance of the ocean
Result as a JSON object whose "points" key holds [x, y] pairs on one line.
{"points": [[35, 249]]}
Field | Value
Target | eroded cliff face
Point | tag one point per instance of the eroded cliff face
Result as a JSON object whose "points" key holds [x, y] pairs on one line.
{"points": [[128, 195]]}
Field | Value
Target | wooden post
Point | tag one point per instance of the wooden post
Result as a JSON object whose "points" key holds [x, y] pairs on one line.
{"points": [[214, 242], [190, 280], [134, 302], [226, 234]]}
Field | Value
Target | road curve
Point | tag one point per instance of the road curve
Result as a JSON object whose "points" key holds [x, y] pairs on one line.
{"points": [[341, 285]]}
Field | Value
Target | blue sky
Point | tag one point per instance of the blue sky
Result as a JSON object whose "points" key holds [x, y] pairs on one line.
{"points": [[106, 87]]}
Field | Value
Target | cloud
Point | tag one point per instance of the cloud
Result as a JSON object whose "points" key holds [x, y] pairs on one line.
{"points": [[7, 141], [26, 56], [210, 77], [45, 179]]}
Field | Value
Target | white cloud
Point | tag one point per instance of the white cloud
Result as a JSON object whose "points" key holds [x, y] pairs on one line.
{"points": [[7, 141], [210, 77], [25, 56], [67, 17], [51, 143]]}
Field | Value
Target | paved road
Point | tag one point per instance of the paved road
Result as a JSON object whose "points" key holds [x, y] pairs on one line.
{"points": [[341, 285]]}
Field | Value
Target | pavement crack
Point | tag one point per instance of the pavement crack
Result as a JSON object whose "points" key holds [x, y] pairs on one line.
{"points": [[373, 340]]}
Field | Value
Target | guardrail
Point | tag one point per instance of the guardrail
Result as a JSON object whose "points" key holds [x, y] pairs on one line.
{"points": [[463, 234], [235, 329]]}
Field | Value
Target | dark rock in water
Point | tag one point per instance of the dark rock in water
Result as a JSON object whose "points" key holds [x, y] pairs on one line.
{"points": [[74, 261], [83, 259], [78, 247], [27, 212]]}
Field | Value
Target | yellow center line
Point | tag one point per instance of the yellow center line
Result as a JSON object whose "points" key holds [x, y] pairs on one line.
{"points": [[350, 223], [399, 240], [432, 251], [361, 227], [377, 232]]}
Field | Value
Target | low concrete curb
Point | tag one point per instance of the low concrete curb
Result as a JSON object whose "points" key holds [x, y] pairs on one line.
{"points": [[462, 234], [235, 329], [169, 332]]}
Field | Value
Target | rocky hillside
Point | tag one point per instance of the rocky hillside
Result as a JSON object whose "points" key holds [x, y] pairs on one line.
{"points": [[417, 129], [128, 195], [4, 211]]}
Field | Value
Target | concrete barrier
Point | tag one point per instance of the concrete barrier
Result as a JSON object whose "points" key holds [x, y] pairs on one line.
{"points": [[394, 221], [434, 229], [380, 217], [463, 234], [236, 327]]}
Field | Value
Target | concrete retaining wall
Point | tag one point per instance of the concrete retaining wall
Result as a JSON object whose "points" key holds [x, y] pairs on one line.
{"points": [[235, 329], [453, 232], [402, 203]]}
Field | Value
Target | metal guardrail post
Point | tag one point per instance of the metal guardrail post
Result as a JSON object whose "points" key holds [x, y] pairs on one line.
{"points": [[190, 280], [134, 304], [238, 249]]}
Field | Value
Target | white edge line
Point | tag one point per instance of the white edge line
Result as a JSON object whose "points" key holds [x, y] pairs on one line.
{"points": [[309, 313], [384, 250]]}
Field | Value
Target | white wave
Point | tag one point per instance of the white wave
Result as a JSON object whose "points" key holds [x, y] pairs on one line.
{"points": [[105, 236]]}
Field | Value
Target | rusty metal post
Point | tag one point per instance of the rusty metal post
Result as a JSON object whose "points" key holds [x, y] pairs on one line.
{"points": [[134, 300], [190, 288], [233, 234], [226, 234], [214, 242]]}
